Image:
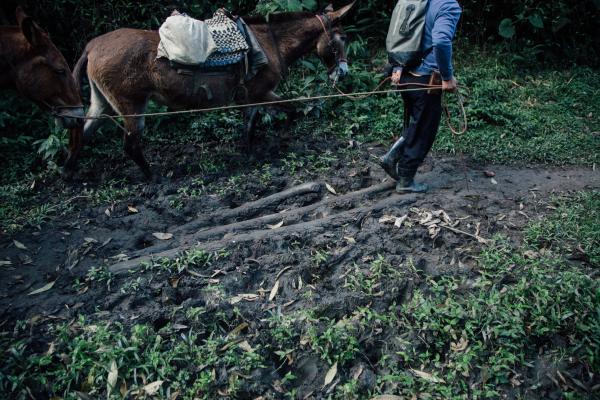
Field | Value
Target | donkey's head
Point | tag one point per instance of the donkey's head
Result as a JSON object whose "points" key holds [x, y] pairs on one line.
{"points": [[43, 75], [331, 45]]}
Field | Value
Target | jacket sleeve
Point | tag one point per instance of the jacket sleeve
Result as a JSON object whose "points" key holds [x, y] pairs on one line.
{"points": [[442, 35]]}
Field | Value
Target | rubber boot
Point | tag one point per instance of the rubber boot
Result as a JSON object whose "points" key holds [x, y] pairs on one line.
{"points": [[408, 185], [389, 162]]}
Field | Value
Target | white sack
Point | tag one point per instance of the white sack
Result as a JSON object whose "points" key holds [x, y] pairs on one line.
{"points": [[185, 40]]}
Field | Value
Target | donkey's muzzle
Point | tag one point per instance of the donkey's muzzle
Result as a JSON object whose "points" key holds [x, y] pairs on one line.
{"points": [[71, 117], [340, 71]]}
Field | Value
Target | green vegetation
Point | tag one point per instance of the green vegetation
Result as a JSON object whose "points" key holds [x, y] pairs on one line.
{"points": [[515, 114], [107, 358]]}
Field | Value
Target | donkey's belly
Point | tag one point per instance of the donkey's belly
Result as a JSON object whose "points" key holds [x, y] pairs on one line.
{"points": [[196, 89]]}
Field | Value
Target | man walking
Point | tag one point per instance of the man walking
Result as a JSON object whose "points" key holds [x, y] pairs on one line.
{"points": [[424, 108]]}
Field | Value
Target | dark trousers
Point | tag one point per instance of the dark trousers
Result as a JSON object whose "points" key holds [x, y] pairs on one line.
{"points": [[425, 111]]}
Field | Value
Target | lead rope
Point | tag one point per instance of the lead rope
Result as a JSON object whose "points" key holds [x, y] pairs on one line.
{"points": [[422, 86]]}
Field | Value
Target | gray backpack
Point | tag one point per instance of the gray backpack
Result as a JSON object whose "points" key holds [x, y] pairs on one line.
{"points": [[405, 34]]}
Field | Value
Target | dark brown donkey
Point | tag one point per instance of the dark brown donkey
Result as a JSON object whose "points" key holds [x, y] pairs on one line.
{"points": [[32, 65], [124, 73]]}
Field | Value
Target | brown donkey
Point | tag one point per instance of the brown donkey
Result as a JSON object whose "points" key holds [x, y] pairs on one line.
{"points": [[124, 73], [32, 65]]}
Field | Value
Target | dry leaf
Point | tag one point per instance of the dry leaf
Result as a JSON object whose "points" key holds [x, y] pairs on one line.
{"points": [[174, 282], [358, 372], [399, 221], [51, 350], [5, 263], [134, 210], [107, 212], [494, 182], [120, 257], [152, 388], [43, 289], [282, 271], [388, 397], [111, 380], [531, 254], [82, 396], [330, 375], [350, 240], [274, 290], [238, 329], [163, 236], [387, 219], [427, 376], [19, 245], [461, 345], [276, 226], [246, 346], [330, 188], [244, 296], [489, 174]]}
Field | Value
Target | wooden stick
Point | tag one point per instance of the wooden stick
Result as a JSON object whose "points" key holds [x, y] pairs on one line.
{"points": [[476, 237]]}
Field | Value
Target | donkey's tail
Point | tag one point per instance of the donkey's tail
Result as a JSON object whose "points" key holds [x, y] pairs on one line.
{"points": [[80, 69]]}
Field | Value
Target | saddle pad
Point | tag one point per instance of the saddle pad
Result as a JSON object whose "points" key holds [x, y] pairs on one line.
{"points": [[231, 43]]}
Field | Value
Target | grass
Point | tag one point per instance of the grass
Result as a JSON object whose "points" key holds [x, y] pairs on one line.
{"points": [[517, 114]]}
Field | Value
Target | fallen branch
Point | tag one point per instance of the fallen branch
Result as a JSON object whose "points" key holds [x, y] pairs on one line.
{"points": [[304, 229], [251, 209], [476, 237], [290, 217]]}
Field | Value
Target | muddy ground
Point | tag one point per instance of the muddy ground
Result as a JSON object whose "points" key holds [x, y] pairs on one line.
{"points": [[341, 213]]}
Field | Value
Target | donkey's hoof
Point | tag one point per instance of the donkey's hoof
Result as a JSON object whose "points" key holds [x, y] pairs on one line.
{"points": [[152, 176]]}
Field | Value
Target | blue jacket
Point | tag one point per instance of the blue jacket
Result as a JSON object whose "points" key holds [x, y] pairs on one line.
{"points": [[440, 27]]}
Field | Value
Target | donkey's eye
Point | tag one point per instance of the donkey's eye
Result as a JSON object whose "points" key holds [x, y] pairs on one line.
{"points": [[60, 71]]}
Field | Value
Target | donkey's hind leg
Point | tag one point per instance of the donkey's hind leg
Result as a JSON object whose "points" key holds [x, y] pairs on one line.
{"points": [[98, 105], [133, 137]]}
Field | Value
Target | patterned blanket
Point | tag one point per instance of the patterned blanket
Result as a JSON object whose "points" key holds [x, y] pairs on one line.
{"points": [[231, 43]]}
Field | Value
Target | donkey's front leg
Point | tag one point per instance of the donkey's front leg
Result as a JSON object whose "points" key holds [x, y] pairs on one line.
{"points": [[287, 108], [250, 115]]}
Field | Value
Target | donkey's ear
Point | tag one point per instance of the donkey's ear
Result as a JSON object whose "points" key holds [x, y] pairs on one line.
{"points": [[341, 13], [33, 33], [20, 14], [329, 8]]}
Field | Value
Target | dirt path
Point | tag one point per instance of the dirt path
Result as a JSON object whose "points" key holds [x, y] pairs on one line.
{"points": [[64, 250]]}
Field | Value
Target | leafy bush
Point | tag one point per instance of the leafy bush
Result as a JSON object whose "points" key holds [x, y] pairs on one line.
{"points": [[562, 28]]}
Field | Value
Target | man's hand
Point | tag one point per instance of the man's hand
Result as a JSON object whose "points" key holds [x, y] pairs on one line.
{"points": [[396, 76], [450, 85]]}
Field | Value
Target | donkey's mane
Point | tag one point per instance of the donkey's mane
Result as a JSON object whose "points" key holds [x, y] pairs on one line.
{"points": [[278, 17]]}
